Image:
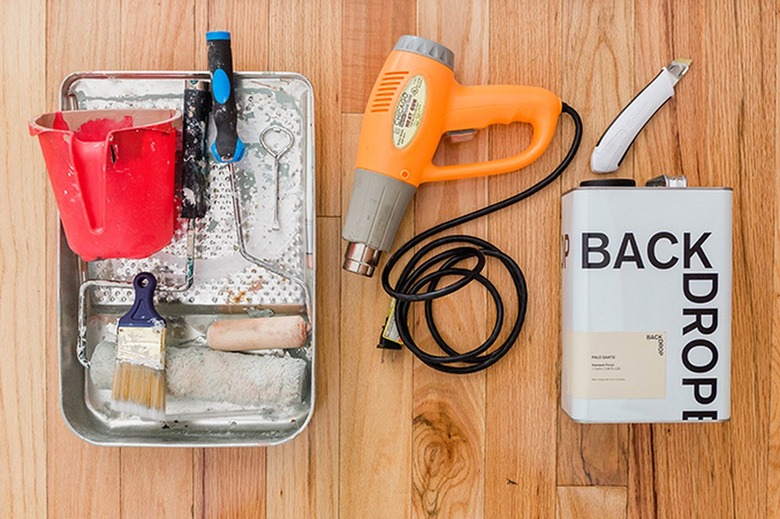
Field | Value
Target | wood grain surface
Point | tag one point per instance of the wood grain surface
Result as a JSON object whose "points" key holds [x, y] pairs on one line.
{"points": [[391, 438], [448, 424], [23, 445], [522, 396], [82, 480]]}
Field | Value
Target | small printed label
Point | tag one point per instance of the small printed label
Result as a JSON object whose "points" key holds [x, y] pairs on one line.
{"points": [[409, 112], [615, 365], [390, 331]]}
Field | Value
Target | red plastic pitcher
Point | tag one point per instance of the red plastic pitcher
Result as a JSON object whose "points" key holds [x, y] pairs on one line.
{"points": [[112, 172]]}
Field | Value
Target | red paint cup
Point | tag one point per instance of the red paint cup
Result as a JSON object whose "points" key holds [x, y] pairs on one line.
{"points": [[112, 173]]}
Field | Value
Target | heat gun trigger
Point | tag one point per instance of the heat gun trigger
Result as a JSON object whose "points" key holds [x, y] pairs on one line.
{"points": [[458, 136], [276, 152]]}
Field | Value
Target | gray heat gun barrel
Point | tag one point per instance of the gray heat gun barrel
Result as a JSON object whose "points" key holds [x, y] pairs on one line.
{"points": [[376, 207]]}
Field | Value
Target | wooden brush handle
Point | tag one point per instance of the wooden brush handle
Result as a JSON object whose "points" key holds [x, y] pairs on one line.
{"points": [[261, 333]]}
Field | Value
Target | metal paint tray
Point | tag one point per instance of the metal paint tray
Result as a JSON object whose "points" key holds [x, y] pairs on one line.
{"points": [[224, 284]]}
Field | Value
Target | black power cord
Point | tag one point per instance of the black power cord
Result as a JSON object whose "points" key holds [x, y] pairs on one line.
{"points": [[420, 281]]}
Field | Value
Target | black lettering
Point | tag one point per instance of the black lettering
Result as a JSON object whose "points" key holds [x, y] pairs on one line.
{"points": [[566, 249], [700, 415], [651, 255], [698, 383], [689, 250], [698, 322], [623, 257], [702, 343], [706, 298], [587, 249]]}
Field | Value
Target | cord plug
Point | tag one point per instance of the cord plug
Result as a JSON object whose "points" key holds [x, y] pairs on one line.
{"points": [[389, 344], [389, 339]]}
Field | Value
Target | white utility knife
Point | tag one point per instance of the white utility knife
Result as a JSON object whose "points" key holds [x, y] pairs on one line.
{"points": [[620, 135]]}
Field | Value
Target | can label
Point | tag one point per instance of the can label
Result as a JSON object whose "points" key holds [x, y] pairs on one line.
{"points": [[409, 111], [615, 365]]}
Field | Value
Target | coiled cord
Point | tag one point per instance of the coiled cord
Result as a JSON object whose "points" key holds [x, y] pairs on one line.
{"points": [[419, 282]]}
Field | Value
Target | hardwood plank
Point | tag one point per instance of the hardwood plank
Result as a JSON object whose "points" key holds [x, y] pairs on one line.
{"points": [[641, 471], [448, 432], [376, 392], [82, 480], [247, 21], [660, 39], [522, 397], [71, 23], [598, 44], [198, 490], [598, 48], [234, 483], [674, 474], [167, 494], [370, 30], [317, 55], [287, 479], [591, 454], [773, 476], [170, 24], [158, 37], [323, 432], [22, 287], [748, 156], [600, 501], [201, 16]]}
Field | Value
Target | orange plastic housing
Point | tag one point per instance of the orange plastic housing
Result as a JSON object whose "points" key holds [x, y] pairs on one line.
{"points": [[399, 137]]}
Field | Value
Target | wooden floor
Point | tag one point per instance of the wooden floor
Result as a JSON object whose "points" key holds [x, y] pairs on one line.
{"points": [[396, 439]]}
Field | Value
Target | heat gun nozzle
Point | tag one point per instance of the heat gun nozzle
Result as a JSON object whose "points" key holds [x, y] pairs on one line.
{"points": [[361, 259]]}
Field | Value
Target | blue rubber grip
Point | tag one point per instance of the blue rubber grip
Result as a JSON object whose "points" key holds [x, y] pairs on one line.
{"points": [[142, 314], [217, 35], [227, 146]]}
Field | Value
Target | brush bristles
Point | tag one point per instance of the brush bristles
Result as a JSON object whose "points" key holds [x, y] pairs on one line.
{"points": [[139, 390]]}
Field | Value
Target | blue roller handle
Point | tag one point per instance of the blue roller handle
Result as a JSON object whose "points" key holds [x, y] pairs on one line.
{"points": [[142, 314], [227, 146]]}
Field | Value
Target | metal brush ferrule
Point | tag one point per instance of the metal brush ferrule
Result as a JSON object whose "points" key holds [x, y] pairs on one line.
{"points": [[142, 346]]}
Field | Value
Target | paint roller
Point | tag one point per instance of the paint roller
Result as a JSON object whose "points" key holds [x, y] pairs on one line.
{"points": [[258, 333], [206, 374]]}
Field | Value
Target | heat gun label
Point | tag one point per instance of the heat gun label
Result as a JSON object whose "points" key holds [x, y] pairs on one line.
{"points": [[615, 365], [409, 111]]}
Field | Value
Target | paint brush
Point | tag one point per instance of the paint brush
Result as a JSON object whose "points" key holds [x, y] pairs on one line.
{"points": [[139, 375]]}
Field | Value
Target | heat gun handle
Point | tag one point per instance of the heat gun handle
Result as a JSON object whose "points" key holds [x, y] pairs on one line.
{"points": [[476, 107], [227, 146]]}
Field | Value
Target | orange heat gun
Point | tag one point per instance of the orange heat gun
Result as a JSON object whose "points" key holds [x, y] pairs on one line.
{"points": [[415, 101]]}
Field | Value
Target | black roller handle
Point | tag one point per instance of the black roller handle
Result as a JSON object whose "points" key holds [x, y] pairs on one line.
{"points": [[197, 105], [227, 146]]}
